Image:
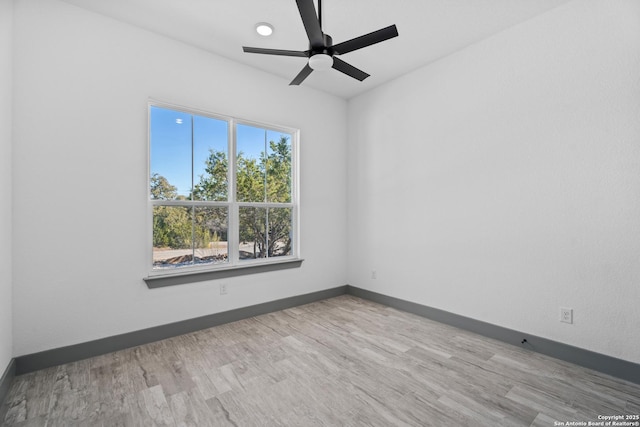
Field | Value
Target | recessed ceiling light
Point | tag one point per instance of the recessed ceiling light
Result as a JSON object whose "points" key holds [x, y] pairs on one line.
{"points": [[264, 29]]}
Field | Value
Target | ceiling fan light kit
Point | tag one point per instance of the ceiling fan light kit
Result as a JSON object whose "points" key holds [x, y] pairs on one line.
{"points": [[322, 51], [321, 62]]}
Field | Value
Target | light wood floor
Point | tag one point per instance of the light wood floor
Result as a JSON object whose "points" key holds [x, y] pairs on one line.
{"points": [[342, 361]]}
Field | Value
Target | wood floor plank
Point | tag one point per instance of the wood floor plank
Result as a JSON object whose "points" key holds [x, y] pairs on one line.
{"points": [[190, 409], [37, 392], [342, 361], [232, 409], [150, 407], [543, 402], [114, 412]]}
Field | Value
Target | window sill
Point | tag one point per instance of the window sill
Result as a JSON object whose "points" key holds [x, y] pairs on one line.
{"points": [[162, 280]]}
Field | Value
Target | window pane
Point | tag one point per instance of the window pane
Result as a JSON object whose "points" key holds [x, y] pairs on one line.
{"points": [[170, 154], [172, 241], [211, 231], [251, 149], [279, 167], [253, 239], [263, 165], [280, 229], [265, 233], [210, 159]]}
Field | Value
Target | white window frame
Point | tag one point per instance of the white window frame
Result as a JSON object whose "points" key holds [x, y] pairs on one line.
{"points": [[233, 261]]}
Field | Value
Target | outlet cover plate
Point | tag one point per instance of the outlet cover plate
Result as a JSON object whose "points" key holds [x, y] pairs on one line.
{"points": [[566, 315]]}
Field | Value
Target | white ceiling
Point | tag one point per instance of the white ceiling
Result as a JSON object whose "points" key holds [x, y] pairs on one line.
{"points": [[429, 30]]}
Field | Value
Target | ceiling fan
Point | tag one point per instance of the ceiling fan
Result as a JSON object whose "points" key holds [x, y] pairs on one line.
{"points": [[322, 51]]}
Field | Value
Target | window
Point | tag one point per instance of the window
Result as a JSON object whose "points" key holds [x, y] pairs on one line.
{"points": [[222, 191]]}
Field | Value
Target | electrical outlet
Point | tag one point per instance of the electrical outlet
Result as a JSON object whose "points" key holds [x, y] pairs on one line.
{"points": [[223, 288], [566, 315], [374, 274]]}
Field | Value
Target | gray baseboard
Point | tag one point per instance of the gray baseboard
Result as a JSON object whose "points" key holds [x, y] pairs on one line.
{"points": [[32, 362], [7, 379], [598, 362], [58, 356]]}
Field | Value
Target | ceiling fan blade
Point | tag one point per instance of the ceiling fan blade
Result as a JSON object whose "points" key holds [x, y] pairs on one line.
{"points": [[349, 69], [311, 23], [301, 75], [366, 40], [275, 51]]}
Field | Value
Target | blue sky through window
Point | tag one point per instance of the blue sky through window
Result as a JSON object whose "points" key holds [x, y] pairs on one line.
{"points": [[171, 141]]}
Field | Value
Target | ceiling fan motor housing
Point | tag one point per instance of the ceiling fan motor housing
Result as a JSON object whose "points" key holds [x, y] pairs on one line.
{"points": [[326, 49]]}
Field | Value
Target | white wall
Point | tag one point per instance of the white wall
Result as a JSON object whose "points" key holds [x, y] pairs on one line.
{"points": [[81, 87], [501, 183], [6, 55]]}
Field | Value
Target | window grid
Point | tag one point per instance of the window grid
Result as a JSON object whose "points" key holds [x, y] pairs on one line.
{"points": [[232, 204]]}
